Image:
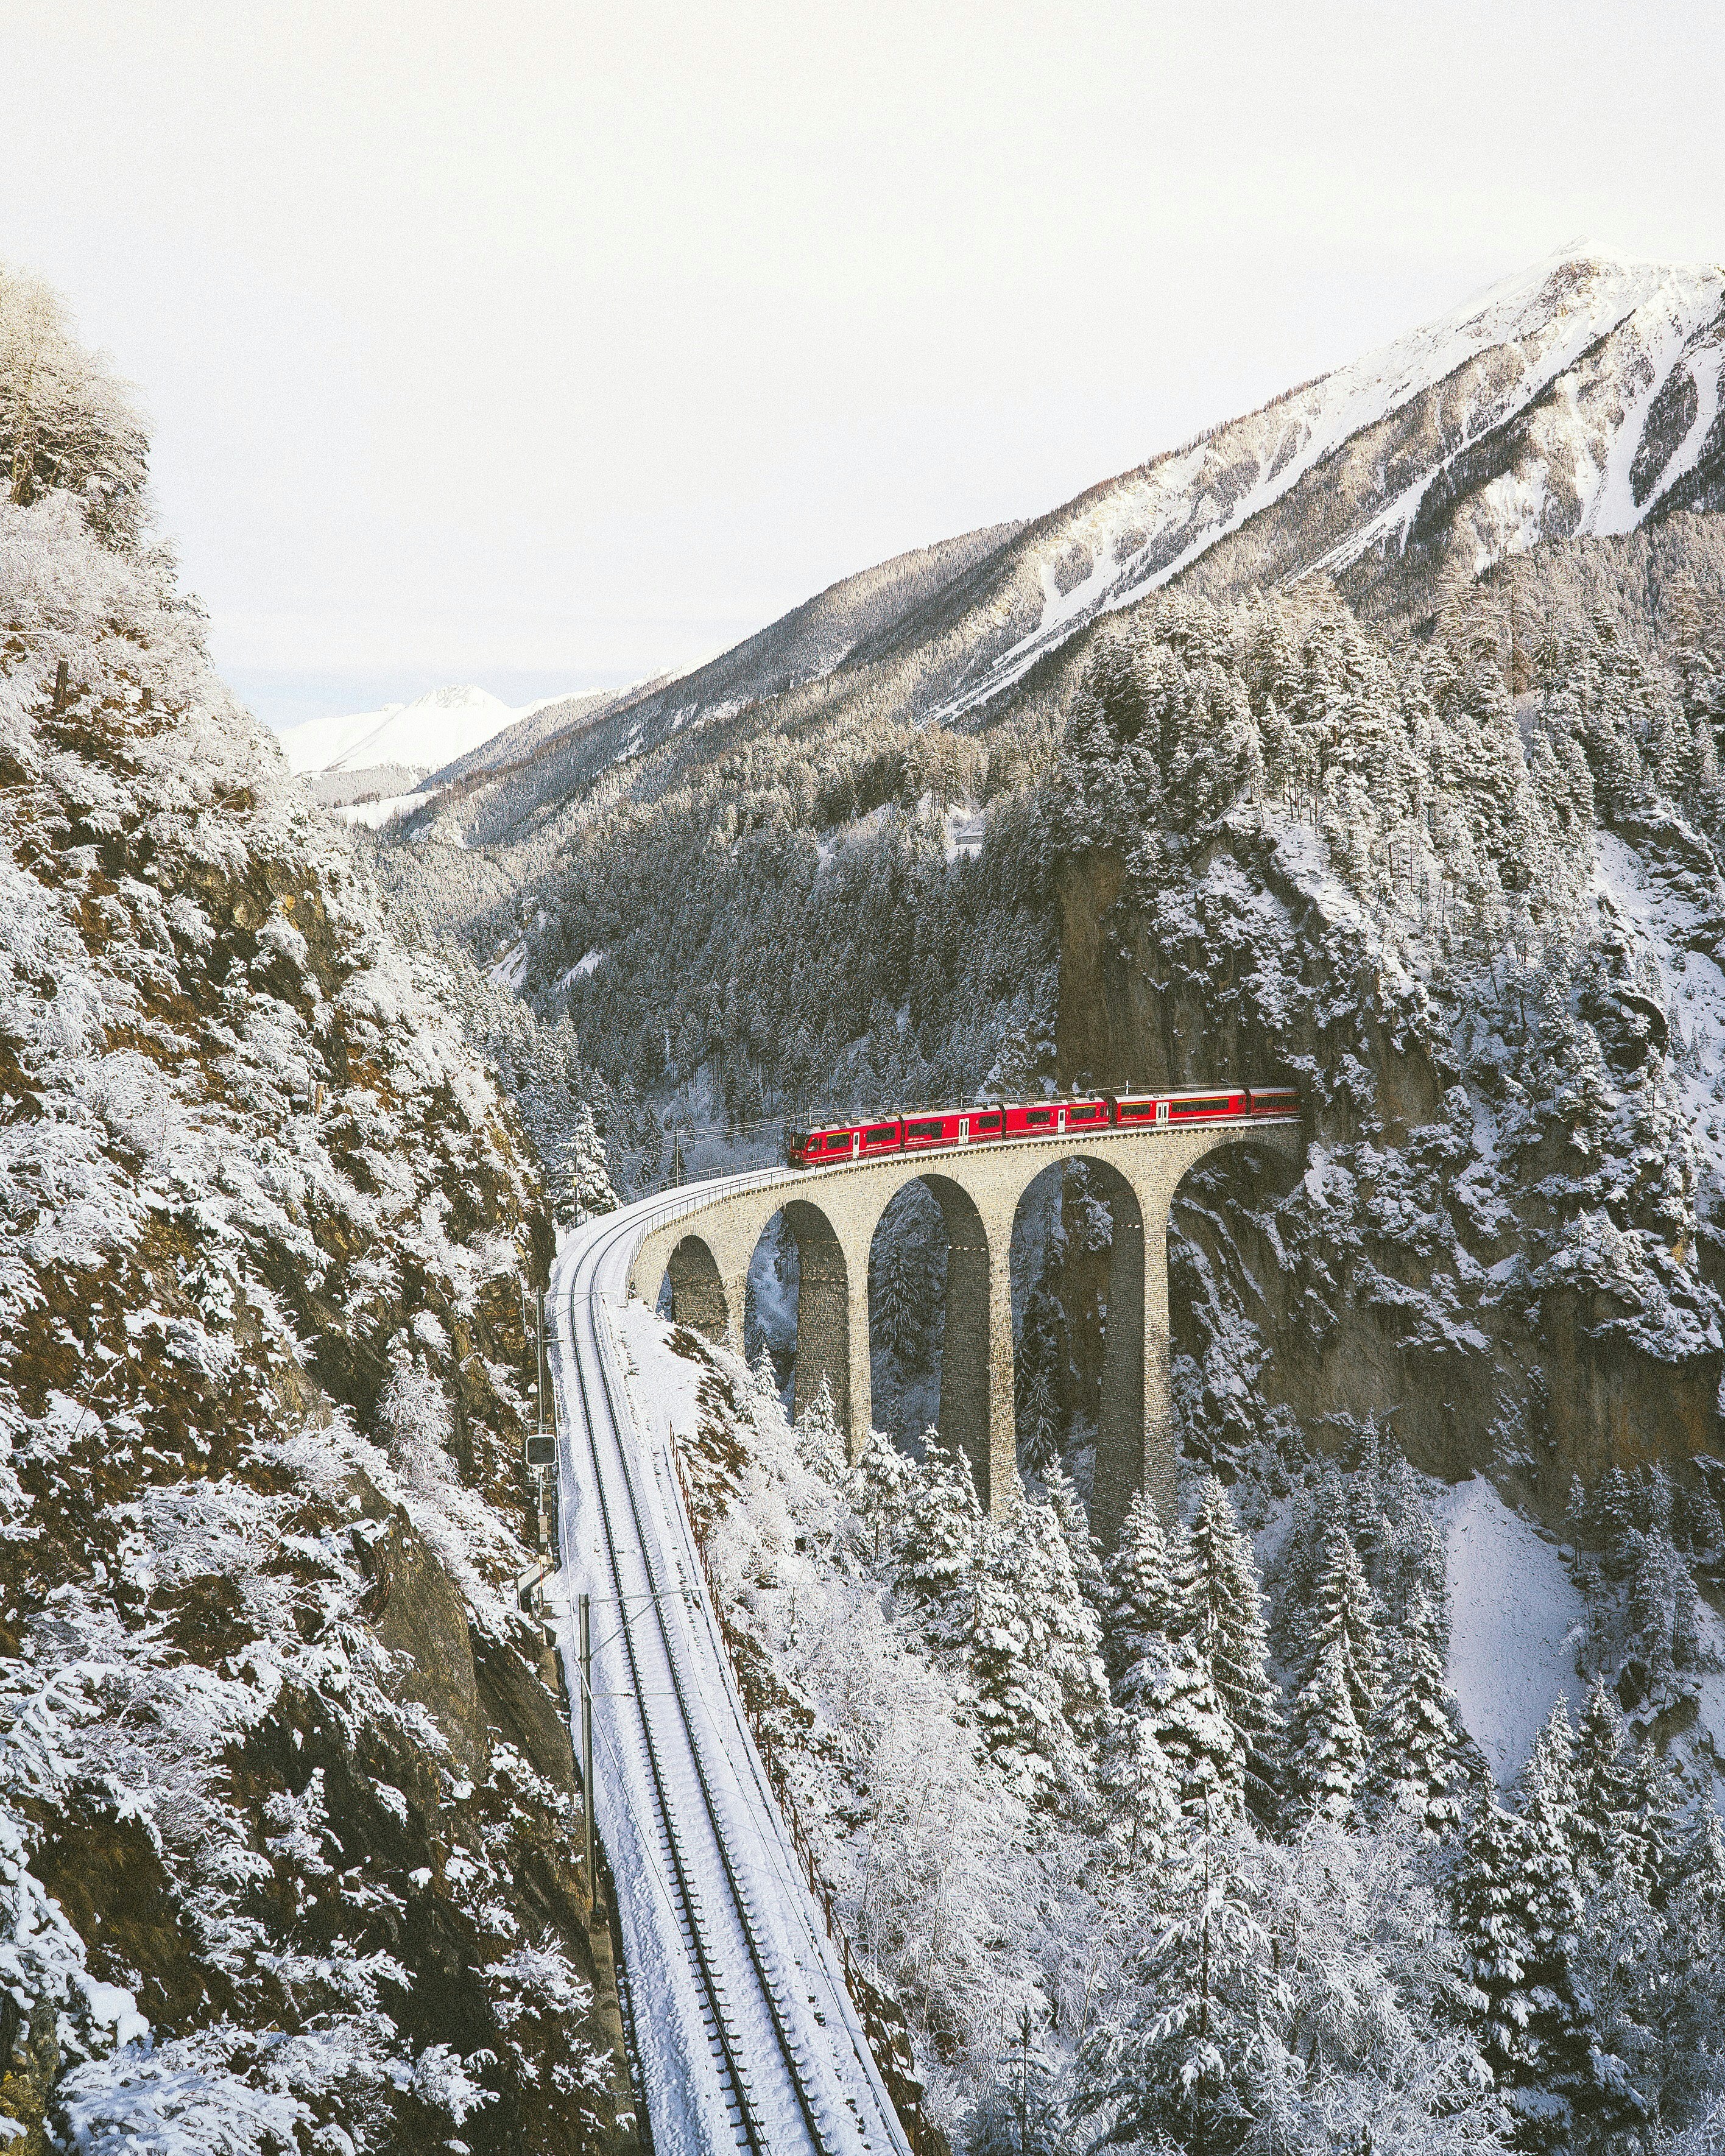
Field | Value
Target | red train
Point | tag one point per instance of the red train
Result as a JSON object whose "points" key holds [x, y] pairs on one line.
{"points": [[934, 1129]]}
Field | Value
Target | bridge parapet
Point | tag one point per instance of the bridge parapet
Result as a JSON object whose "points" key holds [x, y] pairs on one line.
{"points": [[833, 1212]]}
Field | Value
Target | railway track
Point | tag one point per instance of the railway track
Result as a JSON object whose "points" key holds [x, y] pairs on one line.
{"points": [[747, 2036]]}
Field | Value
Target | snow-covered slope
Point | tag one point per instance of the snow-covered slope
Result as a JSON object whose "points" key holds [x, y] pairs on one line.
{"points": [[1583, 396], [422, 735]]}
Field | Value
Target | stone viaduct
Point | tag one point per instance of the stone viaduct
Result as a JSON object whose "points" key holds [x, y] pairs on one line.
{"points": [[833, 1212]]}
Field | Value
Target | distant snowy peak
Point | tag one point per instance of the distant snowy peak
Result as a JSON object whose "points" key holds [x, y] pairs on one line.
{"points": [[420, 736], [1583, 396]]}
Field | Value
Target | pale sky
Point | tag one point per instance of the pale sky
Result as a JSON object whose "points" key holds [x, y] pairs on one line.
{"points": [[549, 345]]}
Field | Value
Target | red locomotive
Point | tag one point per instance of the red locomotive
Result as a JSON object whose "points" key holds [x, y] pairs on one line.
{"points": [[935, 1129]]}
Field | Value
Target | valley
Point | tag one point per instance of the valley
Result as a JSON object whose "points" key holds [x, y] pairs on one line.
{"points": [[1216, 1650]]}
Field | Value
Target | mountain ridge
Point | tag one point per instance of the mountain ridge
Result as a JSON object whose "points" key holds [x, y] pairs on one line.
{"points": [[1582, 395]]}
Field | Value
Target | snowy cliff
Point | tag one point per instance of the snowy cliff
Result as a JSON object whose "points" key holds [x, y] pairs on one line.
{"points": [[286, 1804]]}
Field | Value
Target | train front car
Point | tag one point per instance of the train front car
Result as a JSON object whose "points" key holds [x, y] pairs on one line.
{"points": [[1275, 1100], [824, 1148]]}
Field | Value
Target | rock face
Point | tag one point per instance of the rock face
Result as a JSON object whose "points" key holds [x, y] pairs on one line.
{"points": [[1331, 1307], [1481, 927], [288, 1817]]}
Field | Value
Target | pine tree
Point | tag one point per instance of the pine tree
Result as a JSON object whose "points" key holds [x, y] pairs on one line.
{"points": [[1652, 1833], [1193, 1723], [1143, 1600], [1081, 1543], [819, 1438], [1330, 1757], [1041, 1450], [1337, 1701], [1602, 1788], [898, 1317], [1031, 1645], [1517, 1910], [1418, 1762], [1036, 1410], [1226, 1625], [1139, 1786], [943, 1533], [1183, 2076], [1703, 1871], [879, 1487]]}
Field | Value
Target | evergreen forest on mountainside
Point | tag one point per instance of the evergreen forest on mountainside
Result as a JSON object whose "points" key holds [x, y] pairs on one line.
{"points": [[1368, 1802]]}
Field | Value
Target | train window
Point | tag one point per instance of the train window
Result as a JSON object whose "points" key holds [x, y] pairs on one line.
{"points": [[988, 1123], [1137, 1108], [1039, 1115], [837, 1141], [1083, 1114], [881, 1134], [1198, 1107], [921, 1130]]}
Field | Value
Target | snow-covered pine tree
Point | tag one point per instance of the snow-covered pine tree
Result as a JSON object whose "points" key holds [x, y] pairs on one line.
{"points": [[1040, 1453], [1081, 1543], [1139, 1786], [1517, 1908], [1702, 1874], [942, 1535], [1144, 1599], [1225, 1625], [1161, 1705], [878, 1488], [1032, 1644], [1337, 1696], [1192, 1723], [1540, 2030], [763, 1379], [1652, 1825], [1318, 1508], [1417, 1764], [1036, 1409], [819, 1438], [1602, 1788], [1182, 2073], [586, 1176], [898, 1317]]}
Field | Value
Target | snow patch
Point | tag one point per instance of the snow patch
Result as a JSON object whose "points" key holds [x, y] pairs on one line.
{"points": [[1516, 1618]]}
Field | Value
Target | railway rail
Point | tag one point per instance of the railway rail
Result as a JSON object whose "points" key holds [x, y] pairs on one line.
{"points": [[747, 2036]]}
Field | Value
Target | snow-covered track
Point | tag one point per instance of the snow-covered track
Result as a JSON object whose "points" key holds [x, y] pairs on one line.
{"points": [[746, 2035]]}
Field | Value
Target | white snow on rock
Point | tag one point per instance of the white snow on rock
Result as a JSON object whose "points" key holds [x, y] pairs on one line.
{"points": [[1676, 910], [425, 735], [511, 970], [1516, 1618], [589, 963]]}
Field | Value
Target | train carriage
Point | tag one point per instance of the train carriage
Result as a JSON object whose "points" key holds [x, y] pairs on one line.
{"points": [[1217, 1104]]}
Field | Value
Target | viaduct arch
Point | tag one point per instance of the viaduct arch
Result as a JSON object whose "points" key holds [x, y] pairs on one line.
{"points": [[833, 1213]]}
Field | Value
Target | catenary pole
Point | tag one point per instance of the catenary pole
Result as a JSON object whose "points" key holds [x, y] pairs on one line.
{"points": [[587, 1789]]}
